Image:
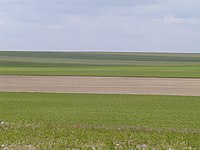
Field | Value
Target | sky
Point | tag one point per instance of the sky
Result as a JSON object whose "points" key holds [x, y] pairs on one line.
{"points": [[108, 25]]}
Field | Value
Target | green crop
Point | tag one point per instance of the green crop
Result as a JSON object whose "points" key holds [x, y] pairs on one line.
{"points": [[92, 121], [100, 64]]}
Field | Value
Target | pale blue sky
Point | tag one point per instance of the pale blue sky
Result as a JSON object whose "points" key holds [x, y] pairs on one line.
{"points": [[121, 25]]}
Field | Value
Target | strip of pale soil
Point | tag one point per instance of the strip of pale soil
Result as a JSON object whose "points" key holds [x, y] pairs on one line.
{"points": [[101, 85]]}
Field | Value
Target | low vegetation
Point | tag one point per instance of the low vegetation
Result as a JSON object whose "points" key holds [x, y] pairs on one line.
{"points": [[100, 64], [92, 121]]}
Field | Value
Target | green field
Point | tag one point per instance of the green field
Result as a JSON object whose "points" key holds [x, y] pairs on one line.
{"points": [[100, 64], [92, 121], [99, 121]]}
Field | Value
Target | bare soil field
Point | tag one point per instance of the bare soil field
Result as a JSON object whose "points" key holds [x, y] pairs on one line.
{"points": [[102, 85]]}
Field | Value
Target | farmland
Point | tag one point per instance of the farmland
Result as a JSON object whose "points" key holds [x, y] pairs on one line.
{"points": [[88, 121], [101, 85], [100, 64], [63, 118]]}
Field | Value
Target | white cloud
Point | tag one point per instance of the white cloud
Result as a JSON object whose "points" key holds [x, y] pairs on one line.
{"points": [[145, 25], [173, 19]]}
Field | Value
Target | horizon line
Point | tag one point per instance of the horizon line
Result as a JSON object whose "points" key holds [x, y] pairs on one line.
{"points": [[119, 51]]}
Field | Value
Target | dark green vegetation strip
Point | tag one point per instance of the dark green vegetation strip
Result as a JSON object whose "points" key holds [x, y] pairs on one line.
{"points": [[60, 121], [100, 64]]}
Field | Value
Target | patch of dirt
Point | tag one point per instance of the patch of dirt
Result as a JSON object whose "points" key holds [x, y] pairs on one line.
{"points": [[102, 85], [18, 147]]}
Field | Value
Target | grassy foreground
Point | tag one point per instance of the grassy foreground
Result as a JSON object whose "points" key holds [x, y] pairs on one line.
{"points": [[92, 121], [100, 64]]}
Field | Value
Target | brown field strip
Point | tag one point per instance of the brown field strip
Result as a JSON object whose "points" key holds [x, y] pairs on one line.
{"points": [[101, 85]]}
